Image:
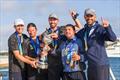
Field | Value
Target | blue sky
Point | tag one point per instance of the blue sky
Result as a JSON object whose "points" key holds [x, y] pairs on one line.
{"points": [[37, 11]]}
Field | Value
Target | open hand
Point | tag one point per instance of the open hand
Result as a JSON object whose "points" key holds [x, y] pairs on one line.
{"points": [[105, 23], [73, 14]]}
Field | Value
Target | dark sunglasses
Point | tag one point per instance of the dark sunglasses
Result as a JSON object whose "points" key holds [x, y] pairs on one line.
{"points": [[20, 25], [89, 15]]}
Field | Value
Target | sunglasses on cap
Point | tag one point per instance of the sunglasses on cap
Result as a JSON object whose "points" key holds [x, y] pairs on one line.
{"points": [[89, 15], [20, 25]]}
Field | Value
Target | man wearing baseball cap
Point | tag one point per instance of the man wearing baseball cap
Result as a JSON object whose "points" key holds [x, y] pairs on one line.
{"points": [[17, 70], [54, 65], [53, 15], [95, 35], [89, 11]]}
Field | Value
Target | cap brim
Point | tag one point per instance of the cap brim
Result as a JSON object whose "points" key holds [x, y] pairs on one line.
{"points": [[53, 17]]}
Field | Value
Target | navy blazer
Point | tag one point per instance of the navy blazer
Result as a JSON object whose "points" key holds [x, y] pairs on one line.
{"points": [[96, 53]]}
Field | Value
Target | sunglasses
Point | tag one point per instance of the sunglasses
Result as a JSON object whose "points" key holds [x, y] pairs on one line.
{"points": [[89, 15], [20, 25]]}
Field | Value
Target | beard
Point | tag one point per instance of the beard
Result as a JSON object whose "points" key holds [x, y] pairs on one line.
{"points": [[53, 25]]}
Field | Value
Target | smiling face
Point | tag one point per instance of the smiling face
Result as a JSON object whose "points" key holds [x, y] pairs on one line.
{"points": [[53, 22], [90, 19], [32, 31], [19, 28], [69, 32]]}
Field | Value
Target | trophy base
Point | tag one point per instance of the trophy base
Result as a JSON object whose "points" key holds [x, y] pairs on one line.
{"points": [[42, 66]]}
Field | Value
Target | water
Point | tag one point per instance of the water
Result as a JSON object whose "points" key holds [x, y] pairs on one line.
{"points": [[4, 73], [114, 63]]}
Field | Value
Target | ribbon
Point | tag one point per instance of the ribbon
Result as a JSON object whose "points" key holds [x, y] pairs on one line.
{"points": [[20, 40], [36, 45]]}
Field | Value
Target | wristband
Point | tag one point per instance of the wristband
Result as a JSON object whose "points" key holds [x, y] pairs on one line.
{"points": [[75, 17]]}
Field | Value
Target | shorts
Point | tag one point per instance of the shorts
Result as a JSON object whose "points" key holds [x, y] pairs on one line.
{"points": [[80, 75]]}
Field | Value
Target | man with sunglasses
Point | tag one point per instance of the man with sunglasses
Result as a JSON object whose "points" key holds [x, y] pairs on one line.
{"points": [[17, 67], [94, 36]]}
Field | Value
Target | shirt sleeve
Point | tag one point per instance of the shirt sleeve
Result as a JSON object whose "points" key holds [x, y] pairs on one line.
{"points": [[26, 46], [13, 45]]}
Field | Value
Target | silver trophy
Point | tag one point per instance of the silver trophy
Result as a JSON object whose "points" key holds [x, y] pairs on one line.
{"points": [[42, 63], [42, 60]]}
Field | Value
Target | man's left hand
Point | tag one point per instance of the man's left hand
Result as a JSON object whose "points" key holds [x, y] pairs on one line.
{"points": [[105, 23]]}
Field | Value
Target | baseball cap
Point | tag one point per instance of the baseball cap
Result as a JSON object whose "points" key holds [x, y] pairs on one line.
{"points": [[53, 15], [89, 11], [18, 22]]}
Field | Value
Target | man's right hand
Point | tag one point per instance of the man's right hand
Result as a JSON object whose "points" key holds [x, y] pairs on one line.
{"points": [[73, 13], [54, 35], [75, 57]]}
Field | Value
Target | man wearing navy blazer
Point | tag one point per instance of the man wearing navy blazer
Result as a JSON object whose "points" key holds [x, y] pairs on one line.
{"points": [[94, 36]]}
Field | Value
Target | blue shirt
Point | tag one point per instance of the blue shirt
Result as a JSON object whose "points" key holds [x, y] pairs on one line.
{"points": [[68, 48]]}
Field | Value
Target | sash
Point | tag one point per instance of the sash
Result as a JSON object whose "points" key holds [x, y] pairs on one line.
{"points": [[54, 42]]}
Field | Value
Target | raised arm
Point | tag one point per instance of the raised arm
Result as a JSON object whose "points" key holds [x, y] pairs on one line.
{"points": [[109, 34], [74, 16]]}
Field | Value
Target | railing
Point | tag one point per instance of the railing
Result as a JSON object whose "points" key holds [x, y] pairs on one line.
{"points": [[111, 73]]}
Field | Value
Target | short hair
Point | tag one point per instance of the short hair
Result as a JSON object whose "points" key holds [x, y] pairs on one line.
{"points": [[31, 24], [70, 25]]}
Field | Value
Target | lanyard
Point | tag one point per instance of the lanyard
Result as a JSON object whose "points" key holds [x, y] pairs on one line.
{"points": [[86, 36], [56, 31], [92, 30], [36, 45], [20, 40], [54, 42], [69, 47], [85, 39]]}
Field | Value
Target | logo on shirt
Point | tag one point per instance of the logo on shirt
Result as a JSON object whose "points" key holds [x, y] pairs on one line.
{"points": [[31, 47]]}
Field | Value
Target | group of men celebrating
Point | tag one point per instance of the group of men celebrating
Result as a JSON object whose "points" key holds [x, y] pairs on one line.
{"points": [[60, 52]]}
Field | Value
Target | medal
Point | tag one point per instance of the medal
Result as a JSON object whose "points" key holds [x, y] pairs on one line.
{"points": [[66, 51]]}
